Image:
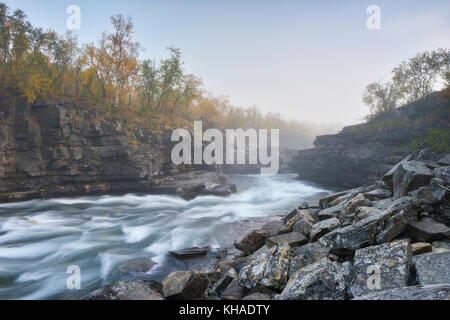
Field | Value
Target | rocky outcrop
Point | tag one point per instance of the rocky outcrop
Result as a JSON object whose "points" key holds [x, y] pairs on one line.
{"points": [[138, 290], [55, 148], [360, 154]]}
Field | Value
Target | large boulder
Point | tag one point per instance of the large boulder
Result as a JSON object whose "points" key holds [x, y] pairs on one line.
{"points": [[255, 239], [427, 229], [308, 254], [433, 268], [323, 280], [138, 265], [391, 261], [294, 217], [323, 227], [138, 290], [189, 252], [347, 212], [443, 173], [268, 267], [428, 292], [409, 176], [293, 239], [377, 228], [185, 285]]}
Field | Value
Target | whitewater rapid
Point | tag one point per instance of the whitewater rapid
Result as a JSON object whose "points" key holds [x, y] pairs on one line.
{"points": [[40, 239]]}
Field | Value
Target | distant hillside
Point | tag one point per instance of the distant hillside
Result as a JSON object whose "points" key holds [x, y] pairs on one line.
{"points": [[358, 154]]}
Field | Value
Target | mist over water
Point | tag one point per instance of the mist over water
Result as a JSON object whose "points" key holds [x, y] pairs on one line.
{"points": [[39, 239]]}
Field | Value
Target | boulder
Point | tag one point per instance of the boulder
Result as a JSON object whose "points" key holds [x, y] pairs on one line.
{"points": [[185, 285], [409, 176], [323, 227], [138, 290], [427, 229], [233, 292], [299, 215], [420, 248], [293, 239], [391, 260], [445, 160], [443, 173], [433, 268], [269, 268], [428, 292], [432, 194], [138, 265], [221, 190], [378, 194], [364, 212], [347, 212], [258, 296], [379, 228], [308, 254], [189, 252], [256, 239], [323, 280], [303, 226]]}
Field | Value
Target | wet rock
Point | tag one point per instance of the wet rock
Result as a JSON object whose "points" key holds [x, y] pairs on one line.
{"points": [[378, 228], [391, 260], [433, 268], [221, 190], [189, 252], [323, 227], [140, 265], [185, 285], [224, 281], [323, 280], [269, 268], [443, 173], [410, 176], [138, 290], [420, 248], [428, 292], [308, 254], [190, 191], [304, 227], [293, 239], [427, 229]]}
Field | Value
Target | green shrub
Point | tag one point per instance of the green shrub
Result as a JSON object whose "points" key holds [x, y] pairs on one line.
{"points": [[438, 139]]}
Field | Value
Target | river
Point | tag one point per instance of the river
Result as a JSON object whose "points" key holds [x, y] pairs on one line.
{"points": [[40, 239]]}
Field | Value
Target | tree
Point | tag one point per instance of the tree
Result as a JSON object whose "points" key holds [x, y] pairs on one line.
{"points": [[149, 84], [171, 75], [416, 77], [381, 97], [123, 52]]}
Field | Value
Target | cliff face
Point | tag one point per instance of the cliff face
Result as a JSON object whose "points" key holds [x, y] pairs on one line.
{"points": [[60, 149], [359, 154]]}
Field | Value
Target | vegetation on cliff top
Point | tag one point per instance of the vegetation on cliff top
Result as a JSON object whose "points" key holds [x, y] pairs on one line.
{"points": [[36, 65]]}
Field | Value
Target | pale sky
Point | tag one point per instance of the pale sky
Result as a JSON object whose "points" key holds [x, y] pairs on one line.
{"points": [[308, 60]]}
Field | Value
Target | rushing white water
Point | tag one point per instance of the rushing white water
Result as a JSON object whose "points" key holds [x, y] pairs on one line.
{"points": [[39, 239]]}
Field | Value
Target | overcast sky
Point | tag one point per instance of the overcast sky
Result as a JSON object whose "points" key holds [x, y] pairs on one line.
{"points": [[308, 60]]}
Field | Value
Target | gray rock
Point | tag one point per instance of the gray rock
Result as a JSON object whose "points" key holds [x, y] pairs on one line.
{"points": [[323, 280], [299, 215], [364, 212], [189, 252], [258, 296], [409, 176], [378, 194], [323, 227], [433, 268], [427, 229], [256, 239], [269, 268], [347, 212], [445, 160], [233, 292], [138, 290], [303, 226], [293, 239], [308, 254], [185, 285], [428, 292], [432, 194], [383, 204], [378, 228], [392, 260], [443, 173], [420, 248], [139, 265]]}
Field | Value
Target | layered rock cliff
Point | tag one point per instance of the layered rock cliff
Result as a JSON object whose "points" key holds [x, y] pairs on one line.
{"points": [[359, 154], [64, 149]]}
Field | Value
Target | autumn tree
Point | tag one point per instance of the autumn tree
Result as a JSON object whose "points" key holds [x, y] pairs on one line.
{"points": [[381, 97]]}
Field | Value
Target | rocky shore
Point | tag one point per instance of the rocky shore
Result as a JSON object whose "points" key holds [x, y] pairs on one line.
{"points": [[387, 240]]}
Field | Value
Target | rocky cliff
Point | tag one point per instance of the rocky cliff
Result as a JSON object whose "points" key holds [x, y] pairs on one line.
{"points": [[360, 153], [57, 148]]}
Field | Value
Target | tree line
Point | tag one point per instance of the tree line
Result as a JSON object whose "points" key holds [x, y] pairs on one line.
{"points": [[38, 64], [411, 80]]}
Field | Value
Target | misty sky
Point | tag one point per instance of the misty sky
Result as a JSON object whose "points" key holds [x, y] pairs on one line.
{"points": [[308, 60]]}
